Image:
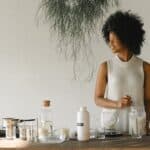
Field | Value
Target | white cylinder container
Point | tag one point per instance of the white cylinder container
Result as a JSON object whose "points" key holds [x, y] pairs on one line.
{"points": [[83, 127]]}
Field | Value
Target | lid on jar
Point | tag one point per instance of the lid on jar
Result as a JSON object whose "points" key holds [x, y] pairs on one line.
{"points": [[46, 103], [83, 108]]}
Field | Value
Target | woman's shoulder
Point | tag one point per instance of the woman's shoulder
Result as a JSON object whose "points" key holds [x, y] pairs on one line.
{"points": [[103, 68], [105, 63], [146, 66]]}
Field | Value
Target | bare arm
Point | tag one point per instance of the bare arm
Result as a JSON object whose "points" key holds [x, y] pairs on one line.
{"points": [[147, 93], [100, 88]]}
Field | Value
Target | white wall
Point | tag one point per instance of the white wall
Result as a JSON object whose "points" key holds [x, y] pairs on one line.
{"points": [[31, 70]]}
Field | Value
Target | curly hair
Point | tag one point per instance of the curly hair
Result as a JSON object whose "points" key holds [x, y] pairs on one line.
{"points": [[129, 29]]}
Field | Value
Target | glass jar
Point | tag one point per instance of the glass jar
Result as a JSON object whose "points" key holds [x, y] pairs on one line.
{"points": [[137, 122], [109, 120], [10, 128], [45, 123]]}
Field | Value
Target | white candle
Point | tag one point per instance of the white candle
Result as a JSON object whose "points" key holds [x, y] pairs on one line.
{"points": [[64, 134], [43, 132]]}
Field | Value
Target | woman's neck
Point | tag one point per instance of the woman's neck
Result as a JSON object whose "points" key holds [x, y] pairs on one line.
{"points": [[125, 55]]}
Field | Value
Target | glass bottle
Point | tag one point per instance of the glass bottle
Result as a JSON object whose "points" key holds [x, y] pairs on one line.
{"points": [[46, 125], [137, 122]]}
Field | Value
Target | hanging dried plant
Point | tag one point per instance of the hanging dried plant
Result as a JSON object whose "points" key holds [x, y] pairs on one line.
{"points": [[75, 21]]}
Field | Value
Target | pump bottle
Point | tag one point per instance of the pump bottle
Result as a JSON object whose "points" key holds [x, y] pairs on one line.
{"points": [[83, 133]]}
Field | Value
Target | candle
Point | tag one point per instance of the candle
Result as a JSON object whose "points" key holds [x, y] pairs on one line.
{"points": [[42, 133], [64, 134]]}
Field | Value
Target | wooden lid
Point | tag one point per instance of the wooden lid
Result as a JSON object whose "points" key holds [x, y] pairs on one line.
{"points": [[46, 103]]}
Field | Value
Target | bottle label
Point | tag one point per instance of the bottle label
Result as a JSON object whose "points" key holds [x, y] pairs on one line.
{"points": [[80, 124]]}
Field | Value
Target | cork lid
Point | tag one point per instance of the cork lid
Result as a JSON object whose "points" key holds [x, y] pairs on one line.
{"points": [[46, 103]]}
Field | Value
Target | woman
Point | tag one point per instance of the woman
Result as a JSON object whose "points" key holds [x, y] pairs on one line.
{"points": [[124, 80]]}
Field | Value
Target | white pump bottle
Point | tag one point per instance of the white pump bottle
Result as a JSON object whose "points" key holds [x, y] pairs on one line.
{"points": [[83, 127]]}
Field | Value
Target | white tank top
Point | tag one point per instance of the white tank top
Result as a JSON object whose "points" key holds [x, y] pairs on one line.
{"points": [[124, 78]]}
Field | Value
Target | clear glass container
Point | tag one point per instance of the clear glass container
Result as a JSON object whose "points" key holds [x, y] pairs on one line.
{"points": [[28, 130], [45, 123], [137, 122], [109, 120], [10, 128], [22, 131]]}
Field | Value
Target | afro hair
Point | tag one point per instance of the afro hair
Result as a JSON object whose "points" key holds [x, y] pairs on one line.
{"points": [[129, 29]]}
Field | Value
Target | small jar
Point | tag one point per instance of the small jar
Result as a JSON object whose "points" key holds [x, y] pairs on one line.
{"points": [[29, 133], [22, 132], [10, 128]]}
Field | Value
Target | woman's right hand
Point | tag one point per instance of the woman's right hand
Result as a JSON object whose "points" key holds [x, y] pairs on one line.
{"points": [[125, 101]]}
